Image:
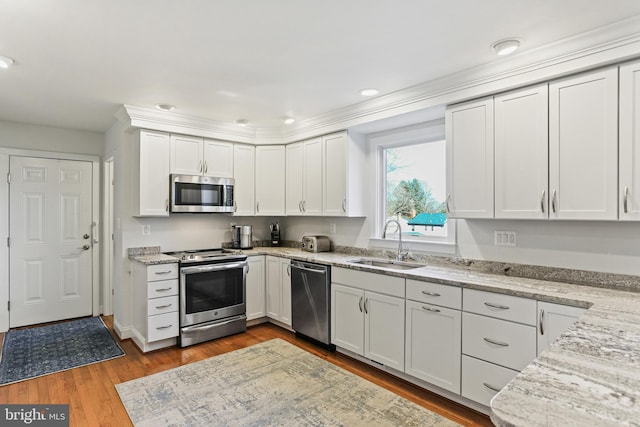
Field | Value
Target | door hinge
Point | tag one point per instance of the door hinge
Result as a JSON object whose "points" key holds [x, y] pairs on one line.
{"points": [[8, 305], [8, 242], [8, 177]]}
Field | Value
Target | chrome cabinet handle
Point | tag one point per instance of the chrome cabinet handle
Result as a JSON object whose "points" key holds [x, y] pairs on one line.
{"points": [[366, 310], [258, 207], [431, 294], [553, 201], [500, 307], [542, 199], [433, 310], [289, 270], [300, 205], [344, 204], [166, 205], [200, 166], [490, 387], [541, 321], [162, 272], [447, 206], [163, 306], [304, 206], [206, 167], [360, 304], [164, 327], [235, 207], [500, 343], [626, 199], [163, 289]]}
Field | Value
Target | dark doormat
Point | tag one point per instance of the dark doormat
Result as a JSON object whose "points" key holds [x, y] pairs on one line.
{"points": [[33, 352]]}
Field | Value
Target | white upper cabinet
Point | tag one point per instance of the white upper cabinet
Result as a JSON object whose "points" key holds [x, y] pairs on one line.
{"points": [[244, 174], [197, 156], [151, 174], [304, 177], [469, 133], [629, 190], [583, 146], [521, 153], [270, 180], [343, 187]]}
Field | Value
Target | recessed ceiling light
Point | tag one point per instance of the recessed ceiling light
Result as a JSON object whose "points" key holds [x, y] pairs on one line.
{"points": [[289, 120], [5, 62], [242, 122], [506, 46], [165, 107], [369, 92]]}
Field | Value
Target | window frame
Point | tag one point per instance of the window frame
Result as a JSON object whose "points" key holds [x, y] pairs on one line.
{"points": [[426, 132]]}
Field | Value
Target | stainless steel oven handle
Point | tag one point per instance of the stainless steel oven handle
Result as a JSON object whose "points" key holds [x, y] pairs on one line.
{"points": [[212, 325], [211, 267], [313, 270]]}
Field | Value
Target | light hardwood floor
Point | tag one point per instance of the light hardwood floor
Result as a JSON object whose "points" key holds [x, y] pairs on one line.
{"points": [[93, 399]]}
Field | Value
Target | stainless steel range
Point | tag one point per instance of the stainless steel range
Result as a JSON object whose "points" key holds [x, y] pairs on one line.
{"points": [[212, 294]]}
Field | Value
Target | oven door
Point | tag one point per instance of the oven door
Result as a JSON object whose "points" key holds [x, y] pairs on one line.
{"points": [[212, 292]]}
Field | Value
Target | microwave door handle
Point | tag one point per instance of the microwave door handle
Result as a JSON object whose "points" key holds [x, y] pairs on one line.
{"points": [[212, 267]]}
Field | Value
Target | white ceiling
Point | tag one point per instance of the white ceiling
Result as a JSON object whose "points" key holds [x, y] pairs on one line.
{"points": [[78, 61]]}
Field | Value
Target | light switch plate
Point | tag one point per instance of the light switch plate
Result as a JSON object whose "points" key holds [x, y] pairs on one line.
{"points": [[504, 238]]}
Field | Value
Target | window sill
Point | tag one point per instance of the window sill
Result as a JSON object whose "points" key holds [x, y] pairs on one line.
{"points": [[443, 247]]}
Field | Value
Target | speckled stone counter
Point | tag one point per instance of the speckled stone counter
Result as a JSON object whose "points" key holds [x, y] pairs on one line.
{"points": [[589, 377], [150, 255]]}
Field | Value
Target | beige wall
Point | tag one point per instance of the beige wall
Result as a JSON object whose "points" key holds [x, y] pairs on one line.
{"points": [[46, 138]]}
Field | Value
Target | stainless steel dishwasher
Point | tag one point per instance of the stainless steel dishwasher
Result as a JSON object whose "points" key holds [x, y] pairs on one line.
{"points": [[311, 301]]}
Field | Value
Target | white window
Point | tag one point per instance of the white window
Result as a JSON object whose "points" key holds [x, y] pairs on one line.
{"points": [[411, 171]]}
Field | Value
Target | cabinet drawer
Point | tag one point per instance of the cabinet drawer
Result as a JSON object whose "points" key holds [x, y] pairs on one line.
{"points": [[162, 326], [434, 293], [507, 344], [162, 288], [162, 305], [482, 380], [380, 283], [507, 307], [162, 272]]}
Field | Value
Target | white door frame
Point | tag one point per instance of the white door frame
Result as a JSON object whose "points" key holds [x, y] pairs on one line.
{"points": [[107, 236], [5, 231]]}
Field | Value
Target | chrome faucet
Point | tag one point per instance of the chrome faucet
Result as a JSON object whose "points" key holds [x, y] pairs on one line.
{"points": [[401, 254]]}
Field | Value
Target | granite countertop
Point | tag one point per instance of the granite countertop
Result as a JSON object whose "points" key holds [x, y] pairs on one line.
{"points": [[589, 376]]}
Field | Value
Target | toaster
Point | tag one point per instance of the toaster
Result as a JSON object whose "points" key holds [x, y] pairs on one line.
{"points": [[316, 244]]}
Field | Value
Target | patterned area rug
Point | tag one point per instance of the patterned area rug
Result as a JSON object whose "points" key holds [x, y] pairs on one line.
{"points": [[33, 352], [269, 384]]}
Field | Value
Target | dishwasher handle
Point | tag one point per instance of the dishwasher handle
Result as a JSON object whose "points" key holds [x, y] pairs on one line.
{"points": [[312, 270]]}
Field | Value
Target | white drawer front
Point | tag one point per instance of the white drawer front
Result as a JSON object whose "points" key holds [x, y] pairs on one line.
{"points": [[162, 272], [482, 380], [162, 288], [162, 326], [380, 283], [507, 344], [162, 305], [507, 307], [434, 293]]}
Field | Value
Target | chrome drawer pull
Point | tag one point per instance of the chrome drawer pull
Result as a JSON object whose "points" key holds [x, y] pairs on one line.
{"points": [[501, 344], [163, 327], [490, 387], [501, 307], [360, 304], [163, 289], [434, 310], [163, 306], [431, 294], [163, 272]]}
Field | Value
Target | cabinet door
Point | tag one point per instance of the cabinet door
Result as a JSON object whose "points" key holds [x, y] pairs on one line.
{"points": [[218, 158], [334, 193], [384, 329], [274, 294], [630, 142], [347, 318], [295, 184], [255, 288], [583, 146], [313, 165], [469, 133], [244, 174], [522, 153], [285, 291], [186, 155], [152, 193], [270, 180], [553, 320], [433, 345]]}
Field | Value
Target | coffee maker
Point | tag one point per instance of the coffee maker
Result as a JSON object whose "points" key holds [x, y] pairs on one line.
{"points": [[242, 236], [275, 234]]}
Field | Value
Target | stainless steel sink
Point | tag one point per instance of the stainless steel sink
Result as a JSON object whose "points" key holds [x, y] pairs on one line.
{"points": [[385, 263]]}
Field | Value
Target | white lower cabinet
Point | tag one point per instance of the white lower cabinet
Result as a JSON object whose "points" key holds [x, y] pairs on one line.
{"points": [[278, 278], [553, 320], [483, 380], [155, 305], [255, 288], [368, 315]]}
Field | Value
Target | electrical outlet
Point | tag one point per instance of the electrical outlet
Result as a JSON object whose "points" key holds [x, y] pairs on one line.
{"points": [[504, 238], [332, 228], [146, 230]]}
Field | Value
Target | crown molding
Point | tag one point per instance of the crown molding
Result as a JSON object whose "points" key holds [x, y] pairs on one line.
{"points": [[603, 46]]}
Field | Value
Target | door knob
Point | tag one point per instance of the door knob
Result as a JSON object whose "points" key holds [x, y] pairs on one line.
{"points": [[86, 236], [85, 247]]}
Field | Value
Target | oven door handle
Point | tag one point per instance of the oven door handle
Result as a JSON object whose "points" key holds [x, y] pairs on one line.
{"points": [[212, 267]]}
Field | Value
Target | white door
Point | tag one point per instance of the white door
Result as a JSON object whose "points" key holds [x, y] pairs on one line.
{"points": [[629, 188], [270, 180], [312, 202], [335, 180], [384, 329], [347, 318], [294, 181], [51, 241], [244, 172]]}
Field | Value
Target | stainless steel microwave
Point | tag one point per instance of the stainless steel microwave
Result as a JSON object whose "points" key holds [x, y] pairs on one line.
{"points": [[193, 193]]}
